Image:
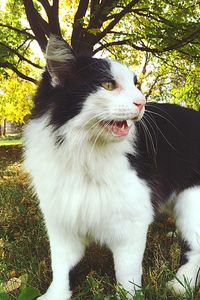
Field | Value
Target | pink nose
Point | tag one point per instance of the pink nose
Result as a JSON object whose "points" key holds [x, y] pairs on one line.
{"points": [[139, 103]]}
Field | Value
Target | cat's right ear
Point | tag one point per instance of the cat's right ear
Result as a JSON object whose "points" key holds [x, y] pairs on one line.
{"points": [[60, 60]]}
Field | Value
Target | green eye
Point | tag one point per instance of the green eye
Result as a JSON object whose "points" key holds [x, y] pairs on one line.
{"points": [[109, 85]]}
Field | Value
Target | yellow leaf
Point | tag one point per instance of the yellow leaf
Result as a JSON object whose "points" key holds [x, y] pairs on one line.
{"points": [[13, 284], [94, 31]]}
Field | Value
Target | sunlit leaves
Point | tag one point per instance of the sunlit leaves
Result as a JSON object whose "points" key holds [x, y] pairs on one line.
{"points": [[15, 98], [188, 90], [167, 31]]}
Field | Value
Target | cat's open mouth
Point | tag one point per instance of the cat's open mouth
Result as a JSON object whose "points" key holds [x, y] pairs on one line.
{"points": [[118, 128]]}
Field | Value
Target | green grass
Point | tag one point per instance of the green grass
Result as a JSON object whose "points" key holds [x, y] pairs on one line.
{"points": [[24, 248], [10, 140]]}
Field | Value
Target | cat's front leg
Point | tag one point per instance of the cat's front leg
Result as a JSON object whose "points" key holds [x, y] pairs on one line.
{"points": [[66, 252], [128, 255]]}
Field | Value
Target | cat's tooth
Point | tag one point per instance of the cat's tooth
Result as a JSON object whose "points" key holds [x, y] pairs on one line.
{"points": [[129, 122]]}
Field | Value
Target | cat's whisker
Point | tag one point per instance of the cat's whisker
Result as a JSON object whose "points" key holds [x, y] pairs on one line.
{"points": [[163, 117], [153, 124], [97, 117], [160, 109], [80, 136], [154, 147], [166, 139], [143, 125], [95, 141]]}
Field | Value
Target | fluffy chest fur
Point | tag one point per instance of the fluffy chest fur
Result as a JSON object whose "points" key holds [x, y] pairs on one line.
{"points": [[87, 189]]}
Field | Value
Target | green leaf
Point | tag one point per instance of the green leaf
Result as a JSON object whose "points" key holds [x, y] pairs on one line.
{"points": [[28, 294], [4, 296], [138, 297]]}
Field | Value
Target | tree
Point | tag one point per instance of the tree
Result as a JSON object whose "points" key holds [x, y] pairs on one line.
{"points": [[160, 38], [146, 25], [15, 41], [15, 98], [188, 89]]}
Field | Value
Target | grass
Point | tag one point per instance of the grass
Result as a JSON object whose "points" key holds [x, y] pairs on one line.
{"points": [[14, 139], [24, 248]]}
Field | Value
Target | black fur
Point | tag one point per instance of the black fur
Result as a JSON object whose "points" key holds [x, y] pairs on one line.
{"points": [[65, 102], [168, 152], [183, 255], [169, 160]]}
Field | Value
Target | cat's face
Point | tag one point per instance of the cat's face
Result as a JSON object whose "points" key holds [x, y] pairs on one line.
{"points": [[95, 95]]}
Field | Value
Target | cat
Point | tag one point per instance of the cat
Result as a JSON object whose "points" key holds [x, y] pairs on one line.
{"points": [[102, 161]]}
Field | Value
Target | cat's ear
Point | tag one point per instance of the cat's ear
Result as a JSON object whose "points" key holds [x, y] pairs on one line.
{"points": [[60, 60]]}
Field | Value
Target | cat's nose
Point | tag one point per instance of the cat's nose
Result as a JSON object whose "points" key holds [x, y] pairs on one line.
{"points": [[140, 103]]}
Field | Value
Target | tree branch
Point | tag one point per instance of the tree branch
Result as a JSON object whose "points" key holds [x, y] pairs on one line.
{"points": [[22, 44], [14, 69], [115, 43], [46, 5], [152, 86], [22, 31], [52, 14], [154, 16], [117, 18], [93, 6], [20, 56], [184, 41], [78, 24], [38, 25], [144, 68], [129, 42], [54, 19], [100, 12], [121, 33]]}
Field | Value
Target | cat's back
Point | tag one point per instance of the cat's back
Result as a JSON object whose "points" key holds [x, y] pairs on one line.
{"points": [[168, 149], [172, 116], [176, 129]]}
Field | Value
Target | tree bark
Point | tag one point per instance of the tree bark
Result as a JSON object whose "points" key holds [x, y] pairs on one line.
{"points": [[4, 127]]}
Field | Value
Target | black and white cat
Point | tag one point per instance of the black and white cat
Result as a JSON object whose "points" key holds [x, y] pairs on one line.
{"points": [[100, 176]]}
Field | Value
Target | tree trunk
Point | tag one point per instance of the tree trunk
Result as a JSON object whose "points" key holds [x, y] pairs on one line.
{"points": [[4, 128]]}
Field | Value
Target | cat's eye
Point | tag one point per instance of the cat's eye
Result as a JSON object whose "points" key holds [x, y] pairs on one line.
{"points": [[108, 85], [135, 80]]}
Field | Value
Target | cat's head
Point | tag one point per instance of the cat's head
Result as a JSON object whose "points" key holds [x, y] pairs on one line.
{"points": [[96, 95]]}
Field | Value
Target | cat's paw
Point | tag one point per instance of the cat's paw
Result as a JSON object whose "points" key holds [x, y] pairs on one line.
{"points": [[47, 296], [181, 285], [176, 287]]}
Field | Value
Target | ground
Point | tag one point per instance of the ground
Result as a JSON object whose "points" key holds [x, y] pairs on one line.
{"points": [[24, 249]]}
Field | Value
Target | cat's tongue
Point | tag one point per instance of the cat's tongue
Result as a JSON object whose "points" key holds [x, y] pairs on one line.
{"points": [[120, 128]]}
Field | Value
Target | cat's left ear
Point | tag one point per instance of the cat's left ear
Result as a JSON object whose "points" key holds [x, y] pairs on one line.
{"points": [[60, 60]]}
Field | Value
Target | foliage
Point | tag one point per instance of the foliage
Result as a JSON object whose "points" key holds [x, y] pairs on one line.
{"points": [[15, 41], [15, 98], [187, 90], [144, 25], [26, 293], [159, 38]]}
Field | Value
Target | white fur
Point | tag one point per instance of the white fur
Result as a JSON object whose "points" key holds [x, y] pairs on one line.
{"points": [[187, 211], [58, 54], [87, 189], [97, 197], [57, 50]]}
